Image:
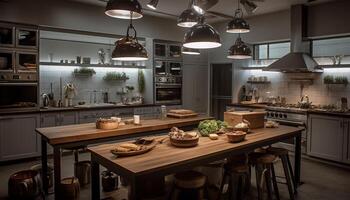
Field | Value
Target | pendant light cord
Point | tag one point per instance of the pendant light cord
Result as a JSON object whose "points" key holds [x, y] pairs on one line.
{"points": [[131, 26], [190, 4], [238, 11]]}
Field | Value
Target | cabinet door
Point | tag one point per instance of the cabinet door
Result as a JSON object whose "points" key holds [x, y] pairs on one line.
{"points": [[18, 138], [49, 119], [346, 144], [325, 138], [68, 118]]}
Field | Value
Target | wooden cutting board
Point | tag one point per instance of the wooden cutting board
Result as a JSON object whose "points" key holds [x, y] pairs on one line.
{"points": [[176, 115]]}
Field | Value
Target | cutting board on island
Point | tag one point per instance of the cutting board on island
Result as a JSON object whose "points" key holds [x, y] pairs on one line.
{"points": [[181, 113], [256, 119]]}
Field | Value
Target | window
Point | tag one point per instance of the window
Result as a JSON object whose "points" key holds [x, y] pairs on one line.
{"points": [[271, 50], [331, 51]]}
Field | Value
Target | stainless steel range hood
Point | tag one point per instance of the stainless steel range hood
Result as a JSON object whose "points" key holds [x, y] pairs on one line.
{"points": [[299, 60]]}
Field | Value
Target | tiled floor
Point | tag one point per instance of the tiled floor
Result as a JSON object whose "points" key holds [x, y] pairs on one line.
{"points": [[321, 181]]}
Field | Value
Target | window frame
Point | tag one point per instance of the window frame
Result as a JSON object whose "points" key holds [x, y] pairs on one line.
{"points": [[268, 49], [312, 40]]}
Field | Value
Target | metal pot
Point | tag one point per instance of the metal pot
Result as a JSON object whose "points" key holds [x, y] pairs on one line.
{"points": [[109, 181]]}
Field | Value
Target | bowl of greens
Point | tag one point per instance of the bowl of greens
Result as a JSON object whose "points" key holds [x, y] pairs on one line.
{"points": [[207, 127]]}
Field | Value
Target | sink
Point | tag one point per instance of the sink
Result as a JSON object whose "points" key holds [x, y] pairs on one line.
{"points": [[94, 105]]}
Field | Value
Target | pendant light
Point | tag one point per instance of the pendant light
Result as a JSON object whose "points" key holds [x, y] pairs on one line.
{"points": [[153, 4], [239, 50], [238, 24], [129, 48], [197, 6], [188, 17], [124, 9], [202, 36], [189, 51]]}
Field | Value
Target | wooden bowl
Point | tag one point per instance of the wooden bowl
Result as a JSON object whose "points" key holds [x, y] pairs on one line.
{"points": [[107, 125], [184, 142], [236, 136]]}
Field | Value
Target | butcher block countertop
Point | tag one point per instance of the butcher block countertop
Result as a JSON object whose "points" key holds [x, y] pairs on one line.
{"points": [[80, 132], [165, 155]]}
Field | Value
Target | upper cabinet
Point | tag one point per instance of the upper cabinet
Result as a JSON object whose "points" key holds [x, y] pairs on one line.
{"points": [[7, 35], [167, 50]]}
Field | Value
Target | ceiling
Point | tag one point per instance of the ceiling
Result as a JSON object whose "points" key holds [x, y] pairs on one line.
{"points": [[173, 8]]}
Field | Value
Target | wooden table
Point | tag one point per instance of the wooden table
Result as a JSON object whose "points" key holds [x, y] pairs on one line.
{"points": [[73, 136], [167, 159]]}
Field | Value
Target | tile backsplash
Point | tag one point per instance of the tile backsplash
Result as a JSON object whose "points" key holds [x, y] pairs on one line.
{"points": [[87, 85], [285, 85]]}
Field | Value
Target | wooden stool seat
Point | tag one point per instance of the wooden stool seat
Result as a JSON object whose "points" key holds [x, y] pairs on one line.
{"points": [[253, 157], [25, 185], [190, 180], [244, 168], [69, 188], [266, 159], [277, 151]]}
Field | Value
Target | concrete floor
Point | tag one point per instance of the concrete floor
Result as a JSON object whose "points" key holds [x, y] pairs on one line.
{"points": [[321, 181]]}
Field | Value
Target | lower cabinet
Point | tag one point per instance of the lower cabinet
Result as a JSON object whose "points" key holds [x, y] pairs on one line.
{"points": [[346, 144], [18, 138], [328, 137]]}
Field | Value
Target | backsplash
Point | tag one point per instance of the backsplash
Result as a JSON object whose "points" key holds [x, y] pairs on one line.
{"points": [[86, 85], [285, 85]]}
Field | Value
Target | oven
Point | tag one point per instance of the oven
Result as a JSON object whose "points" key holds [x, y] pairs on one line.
{"points": [[168, 94], [18, 96], [290, 118]]}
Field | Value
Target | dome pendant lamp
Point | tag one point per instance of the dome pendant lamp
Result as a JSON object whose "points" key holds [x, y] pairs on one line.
{"points": [[188, 17], [153, 4], [202, 36], [124, 9], [239, 50], [238, 24], [128, 48]]}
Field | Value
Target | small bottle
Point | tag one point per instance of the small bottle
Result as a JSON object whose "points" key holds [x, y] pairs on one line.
{"points": [[163, 112]]}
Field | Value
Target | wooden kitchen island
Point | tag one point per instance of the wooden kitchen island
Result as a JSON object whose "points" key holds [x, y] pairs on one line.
{"points": [[80, 135], [166, 159]]}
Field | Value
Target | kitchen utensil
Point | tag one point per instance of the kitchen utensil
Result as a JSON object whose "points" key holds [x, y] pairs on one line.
{"points": [[46, 100], [51, 95]]}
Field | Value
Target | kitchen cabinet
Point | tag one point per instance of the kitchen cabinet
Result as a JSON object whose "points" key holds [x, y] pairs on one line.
{"points": [[326, 136], [195, 93], [58, 119], [346, 144], [18, 138]]}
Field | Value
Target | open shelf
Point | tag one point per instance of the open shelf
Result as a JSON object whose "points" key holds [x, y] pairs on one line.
{"points": [[89, 65], [259, 82]]}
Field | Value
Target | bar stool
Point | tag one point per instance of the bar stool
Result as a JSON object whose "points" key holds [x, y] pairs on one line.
{"points": [[25, 185], [263, 163], [189, 185], [287, 168]]}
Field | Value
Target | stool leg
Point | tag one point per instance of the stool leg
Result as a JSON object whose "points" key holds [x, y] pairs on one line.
{"points": [[222, 185], [240, 186], [268, 181], [292, 174], [288, 178], [76, 155], [274, 181], [258, 178]]}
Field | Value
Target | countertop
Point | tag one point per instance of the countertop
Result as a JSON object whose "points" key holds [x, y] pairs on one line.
{"points": [[62, 109], [308, 111]]}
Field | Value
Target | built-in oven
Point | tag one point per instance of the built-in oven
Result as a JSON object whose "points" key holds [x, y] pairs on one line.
{"points": [[18, 95], [167, 68], [168, 94]]}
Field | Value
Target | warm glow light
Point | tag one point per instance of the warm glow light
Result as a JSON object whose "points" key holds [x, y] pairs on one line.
{"points": [[122, 14], [239, 57], [202, 45], [191, 53], [187, 24], [130, 58], [237, 30]]}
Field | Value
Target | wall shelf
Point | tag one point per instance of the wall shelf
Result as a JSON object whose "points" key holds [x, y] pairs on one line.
{"points": [[253, 68], [89, 65], [259, 82]]}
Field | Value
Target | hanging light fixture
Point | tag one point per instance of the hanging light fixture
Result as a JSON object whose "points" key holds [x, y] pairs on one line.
{"points": [[202, 36], [239, 50], [129, 48], [238, 24], [153, 4], [123, 9], [188, 17], [189, 51]]}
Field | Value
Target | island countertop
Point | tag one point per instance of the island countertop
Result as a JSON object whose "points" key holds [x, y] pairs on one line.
{"points": [[75, 133]]}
